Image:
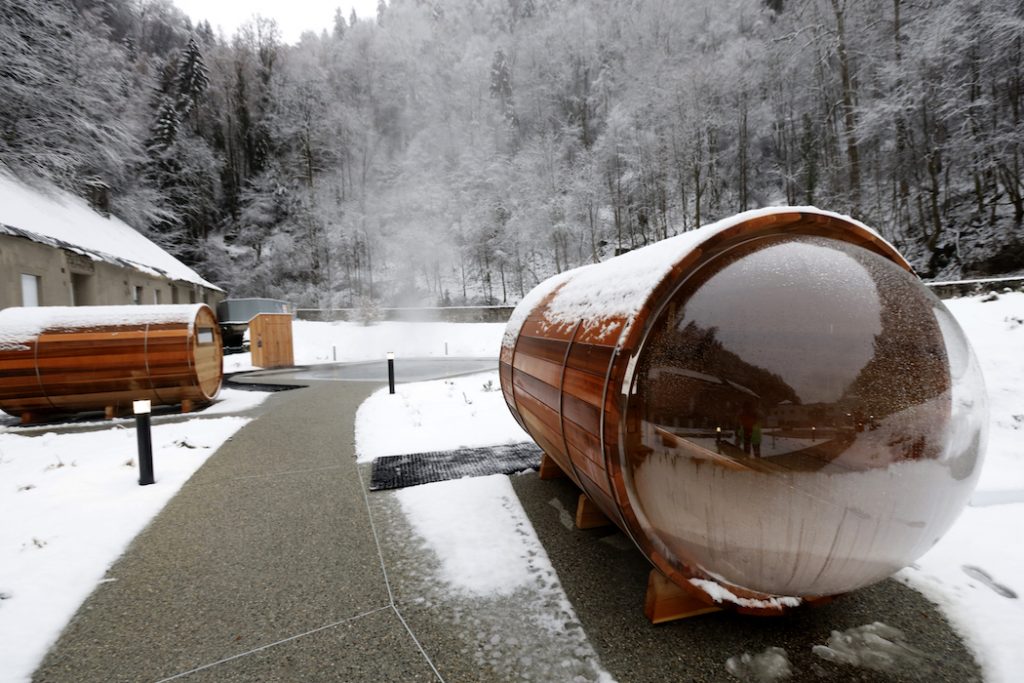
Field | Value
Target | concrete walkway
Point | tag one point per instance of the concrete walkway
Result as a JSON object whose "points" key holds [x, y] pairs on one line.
{"points": [[274, 564], [264, 567]]}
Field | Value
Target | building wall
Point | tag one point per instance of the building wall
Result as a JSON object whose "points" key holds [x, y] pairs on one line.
{"points": [[66, 279]]}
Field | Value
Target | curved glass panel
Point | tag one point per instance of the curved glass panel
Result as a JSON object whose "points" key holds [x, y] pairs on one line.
{"points": [[811, 419]]}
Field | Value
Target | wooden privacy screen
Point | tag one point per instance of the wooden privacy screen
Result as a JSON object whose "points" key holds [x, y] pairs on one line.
{"points": [[68, 359], [270, 339], [762, 405]]}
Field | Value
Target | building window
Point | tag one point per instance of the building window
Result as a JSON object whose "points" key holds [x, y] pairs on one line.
{"points": [[174, 294], [30, 286], [137, 296], [156, 297]]}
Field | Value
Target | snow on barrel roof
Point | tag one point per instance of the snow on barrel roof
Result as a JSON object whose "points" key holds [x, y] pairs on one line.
{"points": [[619, 287], [19, 326], [60, 219]]}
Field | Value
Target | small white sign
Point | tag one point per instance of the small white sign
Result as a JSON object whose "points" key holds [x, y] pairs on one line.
{"points": [[141, 407]]}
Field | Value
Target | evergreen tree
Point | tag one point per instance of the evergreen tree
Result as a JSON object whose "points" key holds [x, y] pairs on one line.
{"points": [[164, 131], [501, 86], [339, 24], [192, 81]]}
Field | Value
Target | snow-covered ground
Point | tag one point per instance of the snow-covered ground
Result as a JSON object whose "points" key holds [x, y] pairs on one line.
{"points": [[344, 342], [420, 416], [70, 505], [971, 573], [77, 505]]}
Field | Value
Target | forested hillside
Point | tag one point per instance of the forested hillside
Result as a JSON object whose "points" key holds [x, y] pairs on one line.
{"points": [[451, 151]]}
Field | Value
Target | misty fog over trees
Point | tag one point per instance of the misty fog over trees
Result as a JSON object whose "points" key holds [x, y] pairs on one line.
{"points": [[459, 151]]}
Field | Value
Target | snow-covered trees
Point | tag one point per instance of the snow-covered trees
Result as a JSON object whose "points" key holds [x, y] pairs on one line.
{"points": [[63, 96], [462, 151]]}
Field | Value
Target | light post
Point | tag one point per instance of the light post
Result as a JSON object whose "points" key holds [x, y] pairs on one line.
{"points": [[142, 410], [391, 372]]}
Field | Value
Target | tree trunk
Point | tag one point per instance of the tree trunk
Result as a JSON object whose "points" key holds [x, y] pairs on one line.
{"points": [[849, 110]]}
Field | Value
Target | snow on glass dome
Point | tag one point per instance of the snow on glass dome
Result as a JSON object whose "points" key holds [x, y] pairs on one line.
{"points": [[811, 419]]}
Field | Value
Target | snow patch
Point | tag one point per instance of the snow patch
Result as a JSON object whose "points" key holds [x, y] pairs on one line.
{"points": [[989, 620], [435, 416], [720, 593], [19, 326], [876, 646], [457, 518], [764, 667]]}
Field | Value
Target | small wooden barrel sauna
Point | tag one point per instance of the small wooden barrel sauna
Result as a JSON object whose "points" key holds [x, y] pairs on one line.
{"points": [[57, 359], [773, 408]]}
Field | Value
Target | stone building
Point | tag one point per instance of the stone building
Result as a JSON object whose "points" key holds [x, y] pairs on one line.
{"points": [[55, 250]]}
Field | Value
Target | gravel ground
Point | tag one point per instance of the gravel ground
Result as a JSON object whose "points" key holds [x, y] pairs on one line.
{"points": [[605, 578]]}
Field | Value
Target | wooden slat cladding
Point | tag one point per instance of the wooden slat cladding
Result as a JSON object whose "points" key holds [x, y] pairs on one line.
{"points": [[546, 371], [554, 385], [546, 393], [590, 358], [106, 367], [270, 336], [552, 350]]}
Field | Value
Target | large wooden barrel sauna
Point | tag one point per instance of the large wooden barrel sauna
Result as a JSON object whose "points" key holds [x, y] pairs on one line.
{"points": [[774, 408], [58, 360]]}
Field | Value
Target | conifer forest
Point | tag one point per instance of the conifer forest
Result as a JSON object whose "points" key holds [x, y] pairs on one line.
{"points": [[446, 152]]}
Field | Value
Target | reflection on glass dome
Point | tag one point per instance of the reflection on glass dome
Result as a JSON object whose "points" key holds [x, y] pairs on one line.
{"points": [[809, 419]]}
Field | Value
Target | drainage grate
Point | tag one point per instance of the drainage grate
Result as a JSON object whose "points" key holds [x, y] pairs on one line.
{"points": [[399, 471]]}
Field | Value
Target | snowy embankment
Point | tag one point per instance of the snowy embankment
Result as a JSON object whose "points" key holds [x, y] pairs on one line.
{"points": [[971, 573], [344, 342]]}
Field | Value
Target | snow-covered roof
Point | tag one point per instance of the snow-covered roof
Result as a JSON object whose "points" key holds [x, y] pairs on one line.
{"points": [[619, 287], [19, 326], [60, 219]]}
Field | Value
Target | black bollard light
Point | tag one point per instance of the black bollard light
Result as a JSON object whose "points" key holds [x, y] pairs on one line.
{"points": [[141, 410], [391, 372]]}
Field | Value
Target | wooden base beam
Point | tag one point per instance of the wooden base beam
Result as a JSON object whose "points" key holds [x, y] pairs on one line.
{"points": [[110, 412], [665, 601], [549, 469], [187, 406], [588, 515]]}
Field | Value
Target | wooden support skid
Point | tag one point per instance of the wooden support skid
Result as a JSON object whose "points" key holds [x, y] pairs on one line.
{"points": [[588, 515], [549, 469], [665, 601]]}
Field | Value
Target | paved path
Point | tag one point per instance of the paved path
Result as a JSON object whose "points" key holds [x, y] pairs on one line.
{"points": [[267, 567], [263, 567]]}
